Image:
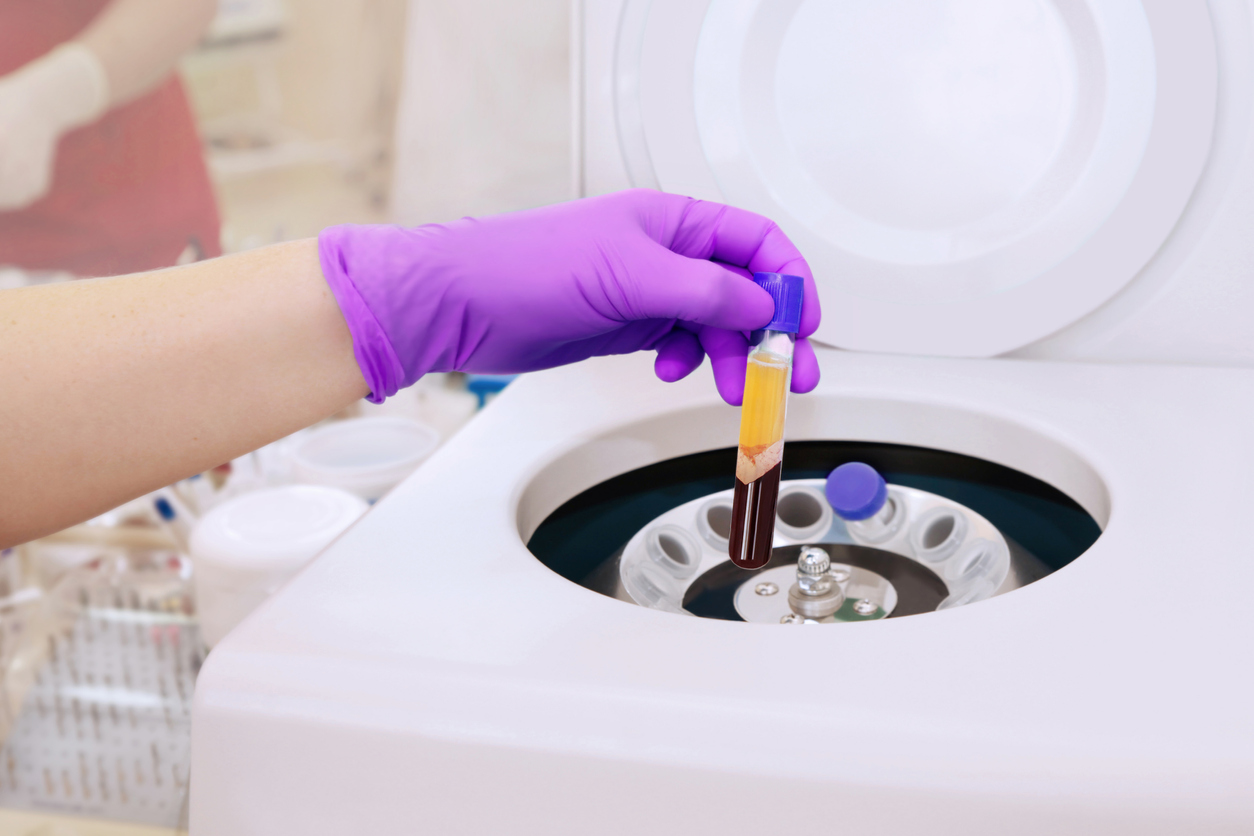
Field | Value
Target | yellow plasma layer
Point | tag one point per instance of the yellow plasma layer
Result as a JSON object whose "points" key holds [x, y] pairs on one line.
{"points": [[762, 416]]}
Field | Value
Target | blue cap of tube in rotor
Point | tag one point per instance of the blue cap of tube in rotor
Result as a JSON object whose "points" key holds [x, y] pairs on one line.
{"points": [[787, 292], [856, 491]]}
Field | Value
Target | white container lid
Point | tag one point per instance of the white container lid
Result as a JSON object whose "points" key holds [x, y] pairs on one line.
{"points": [[965, 177], [366, 456], [246, 548], [275, 528]]}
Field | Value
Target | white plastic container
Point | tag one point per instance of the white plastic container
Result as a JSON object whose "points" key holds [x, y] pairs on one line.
{"points": [[365, 456], [246, 548], [436, 400]]}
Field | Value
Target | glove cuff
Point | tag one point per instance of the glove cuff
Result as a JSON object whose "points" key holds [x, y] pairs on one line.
{"points": [[377, 359]]}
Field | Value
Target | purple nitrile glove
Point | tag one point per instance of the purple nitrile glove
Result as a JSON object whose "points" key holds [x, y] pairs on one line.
{"points": [[530, 290]]}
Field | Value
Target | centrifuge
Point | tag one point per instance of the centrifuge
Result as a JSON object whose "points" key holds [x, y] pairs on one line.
{"points": [[1031, 224]]}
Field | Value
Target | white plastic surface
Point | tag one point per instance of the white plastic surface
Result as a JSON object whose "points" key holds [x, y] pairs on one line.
{"points": [[246, 548], [965, 177], [1193, 302], [1101, 699], [365, 456]]}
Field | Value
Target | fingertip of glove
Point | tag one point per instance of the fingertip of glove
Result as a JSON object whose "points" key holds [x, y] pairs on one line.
{"points": [[812, 311], [731, 387], [679, 354], [748, 306], [804, 384], [670, 369], [805, 372]]}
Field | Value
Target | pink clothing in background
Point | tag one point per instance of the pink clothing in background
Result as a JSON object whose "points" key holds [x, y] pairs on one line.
{"points": [[129, 192]]}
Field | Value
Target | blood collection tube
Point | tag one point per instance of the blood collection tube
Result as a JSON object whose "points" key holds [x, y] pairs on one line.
{"points": [[759, 459]]}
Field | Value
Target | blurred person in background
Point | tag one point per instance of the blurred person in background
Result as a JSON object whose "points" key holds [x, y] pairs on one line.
{"points": [[101, 169]]}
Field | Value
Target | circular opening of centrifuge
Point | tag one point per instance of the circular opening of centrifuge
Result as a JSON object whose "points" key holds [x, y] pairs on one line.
{"points": [[955, 529]]}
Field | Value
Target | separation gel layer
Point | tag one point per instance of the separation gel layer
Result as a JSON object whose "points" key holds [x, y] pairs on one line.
{"points": [[759, 459]]}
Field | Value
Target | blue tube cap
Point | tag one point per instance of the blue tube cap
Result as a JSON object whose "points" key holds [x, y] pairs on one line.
{"points": [[856, 491], [164, 508], [787, 292]]}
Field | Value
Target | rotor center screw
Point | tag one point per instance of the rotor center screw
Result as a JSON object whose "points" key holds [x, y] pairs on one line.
{"points": [[813, 561], [812, 566]]}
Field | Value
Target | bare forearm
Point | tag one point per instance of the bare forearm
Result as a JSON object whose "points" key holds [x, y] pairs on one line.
{"points": [[110, 388], [139, 41]]}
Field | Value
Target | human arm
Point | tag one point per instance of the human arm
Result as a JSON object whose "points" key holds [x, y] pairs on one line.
{"points": [[126, 51], [110, 388], [138, 42]]}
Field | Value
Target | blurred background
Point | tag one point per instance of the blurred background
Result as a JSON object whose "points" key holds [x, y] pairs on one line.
{"points": [[292, 115], [316, 112]]}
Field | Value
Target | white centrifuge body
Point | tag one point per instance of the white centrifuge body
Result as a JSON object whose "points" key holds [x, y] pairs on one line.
{"points": [[1031, 226]]}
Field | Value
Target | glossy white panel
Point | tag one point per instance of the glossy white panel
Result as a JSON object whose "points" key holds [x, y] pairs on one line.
{"points": [[965, 177]]}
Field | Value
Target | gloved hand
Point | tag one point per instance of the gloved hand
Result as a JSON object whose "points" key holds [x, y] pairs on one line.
{"points": [[62, 90], [535, 289]]}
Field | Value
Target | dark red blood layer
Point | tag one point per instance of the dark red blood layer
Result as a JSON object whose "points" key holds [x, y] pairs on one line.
{"points": [[754, 504]]}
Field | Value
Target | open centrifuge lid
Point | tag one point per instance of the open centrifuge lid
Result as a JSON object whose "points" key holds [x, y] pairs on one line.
{"points": [[965, 176]]}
